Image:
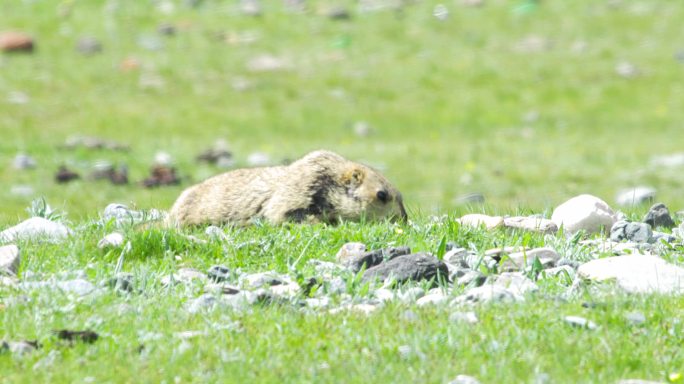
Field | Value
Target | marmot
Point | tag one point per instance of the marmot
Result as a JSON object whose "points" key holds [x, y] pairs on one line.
{"points": [[320, 187]]}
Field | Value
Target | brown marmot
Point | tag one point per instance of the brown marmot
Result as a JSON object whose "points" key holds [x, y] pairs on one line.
{"points": [[320, 187]]}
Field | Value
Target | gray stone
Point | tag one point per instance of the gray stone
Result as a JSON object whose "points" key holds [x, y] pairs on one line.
{"points": [[23, 161], [456, 256], [10, 259], [487, 293], [468, 277], [88, 46], [584, 213], [259, 159], [635, 232], [464, 379], [411, 295], [520, 260], [19, 348], [659, 216], [112, 240], [375, 257], [531, 223], [122, 282], [563, 270], [636, 273], [661, 236], [218, 273], [349, 251], [79, 287], [635, 196], [635, 318], [436, 298], [204, 302], [476, 220], [263, 279], [215, 233], [579, 322], [36, 228], [384, 295], [463, 317], [515, 282], [22, 190], [412, 267]]}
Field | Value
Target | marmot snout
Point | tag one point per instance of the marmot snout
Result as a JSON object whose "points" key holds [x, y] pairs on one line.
{"points": [[320, 187]]}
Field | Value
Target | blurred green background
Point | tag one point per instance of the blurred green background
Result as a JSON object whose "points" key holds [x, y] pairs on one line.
{"points": [[528, 103]]}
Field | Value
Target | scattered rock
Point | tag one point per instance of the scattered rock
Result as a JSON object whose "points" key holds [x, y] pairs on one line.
{"points": [[22, 190], [521, 260], [122, 282], [36, 228], [19, 348], [112, 240], [78, 287], [365, 309], [23, 161], [456, 256], [184, 275], [436, 298], [635, 232], [250, 7], [10, 259], [635, 196], [463, 317], [88, 46], [150, 43], [563, 270], [83, 336], [673, 160], [89, 142], [64, 175], [584, 212], [219, 273], [161, 176], [627, 70], [373, 258], [533, 224], [412, 267], [659, 216], [261, 279], [384, 295], [440, 12], [468, 278], [107, 171], [580, 322], [635, 318], [17, 97], [464, 379], [206, 301], [477, 220], [636, 273], [217, 155], [515, 282], [472, 3], [362, 129], [14, 41], [487, 293], [349, 251]]}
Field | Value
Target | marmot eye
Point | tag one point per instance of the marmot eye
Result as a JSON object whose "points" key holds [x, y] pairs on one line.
{"points": [[382, 196]]}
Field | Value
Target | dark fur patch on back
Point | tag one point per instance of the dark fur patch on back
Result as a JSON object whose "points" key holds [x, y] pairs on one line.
{"points": [[319, 205]]}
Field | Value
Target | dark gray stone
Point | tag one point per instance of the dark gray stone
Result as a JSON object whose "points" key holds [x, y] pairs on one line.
{"points": [[565, 261], [468, 277], [121, 282], [412, 267], [218, 273], [659, 216], [636, 232], [375, 257]]}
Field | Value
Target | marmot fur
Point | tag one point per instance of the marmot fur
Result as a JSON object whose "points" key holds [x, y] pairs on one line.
{"points": [[320, 187]]}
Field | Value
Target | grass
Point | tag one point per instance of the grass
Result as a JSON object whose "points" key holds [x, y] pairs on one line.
{"points": [[455, 107]]}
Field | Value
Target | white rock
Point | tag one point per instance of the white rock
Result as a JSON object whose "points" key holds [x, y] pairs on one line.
{"points": [[563, 270], [487, 293], [477, 220], [162, 158], [584, 212], [668, 161], [580, 322], [365, 309], [9, 259], [113, 240], [455, 256], [349, 250], [533, 224], [286, 290], [464, 379], [463, 317], [520, 260], [22, 190], [635, 196], [636, 273], [384, 294], [36, 228], [515, 282], [432, 299], [23, 161]]}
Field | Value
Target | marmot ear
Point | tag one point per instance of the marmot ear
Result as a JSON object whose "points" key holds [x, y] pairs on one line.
{"points": [[353, 177]]}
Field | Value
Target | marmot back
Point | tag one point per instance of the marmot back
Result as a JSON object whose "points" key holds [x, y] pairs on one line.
{"points": [[320, 187]]}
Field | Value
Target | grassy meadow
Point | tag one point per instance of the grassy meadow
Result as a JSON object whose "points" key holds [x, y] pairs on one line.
{"points": [[526, 102]]}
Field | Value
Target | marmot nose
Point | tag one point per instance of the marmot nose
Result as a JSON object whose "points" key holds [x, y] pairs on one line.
{"points": [[382, 195]]}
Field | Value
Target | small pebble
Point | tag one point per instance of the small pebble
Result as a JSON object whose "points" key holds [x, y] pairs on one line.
{"points": [[218, 273], [580, 322]]}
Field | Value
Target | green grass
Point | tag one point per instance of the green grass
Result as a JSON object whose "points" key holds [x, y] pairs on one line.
{"points": [[448, 104]]}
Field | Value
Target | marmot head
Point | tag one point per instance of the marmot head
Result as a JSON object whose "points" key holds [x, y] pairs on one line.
{"points": [[369, 194]]}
